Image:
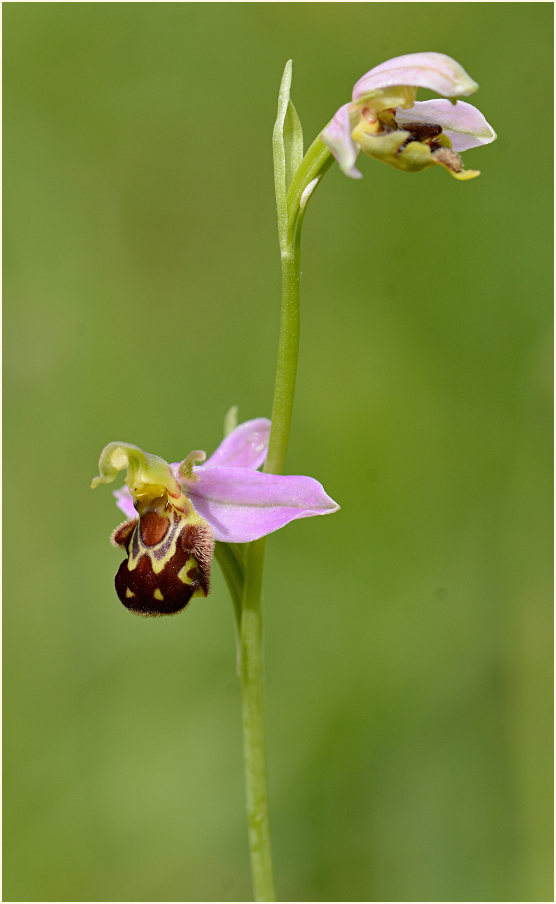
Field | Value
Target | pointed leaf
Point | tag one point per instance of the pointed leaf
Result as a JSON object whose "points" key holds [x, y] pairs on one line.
{"points": [[279, 151], [293, 143]]}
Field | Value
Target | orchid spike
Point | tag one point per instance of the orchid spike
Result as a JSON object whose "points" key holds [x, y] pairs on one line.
{"points": [[176, 512], [384, 121]]}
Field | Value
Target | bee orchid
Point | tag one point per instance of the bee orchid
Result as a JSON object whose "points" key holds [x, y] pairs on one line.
{"points": [[385, 121], [176, 511]]}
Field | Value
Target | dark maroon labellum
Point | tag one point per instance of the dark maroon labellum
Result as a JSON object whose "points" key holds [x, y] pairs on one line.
{"points": [[168, 562]]}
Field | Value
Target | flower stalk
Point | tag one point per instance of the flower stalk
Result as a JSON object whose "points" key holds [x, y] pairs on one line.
{"points": [[295, 178]]}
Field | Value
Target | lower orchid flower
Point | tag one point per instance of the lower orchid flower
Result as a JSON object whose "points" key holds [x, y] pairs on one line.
{"points": [[384, 121], [176, 512]]}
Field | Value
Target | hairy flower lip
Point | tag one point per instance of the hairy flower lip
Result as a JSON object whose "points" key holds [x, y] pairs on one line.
{"points": [[240, 503]]}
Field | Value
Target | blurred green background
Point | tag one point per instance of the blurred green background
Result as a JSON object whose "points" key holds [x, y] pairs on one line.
{"points": [[408, 638]]}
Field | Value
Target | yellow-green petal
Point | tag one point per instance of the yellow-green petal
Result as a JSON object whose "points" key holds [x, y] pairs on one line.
{"points": [[148, 476]]}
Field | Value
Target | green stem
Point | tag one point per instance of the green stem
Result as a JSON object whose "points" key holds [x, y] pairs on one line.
{"points": [[250, 632], [251, 677], [286, 365], [311, 170]]}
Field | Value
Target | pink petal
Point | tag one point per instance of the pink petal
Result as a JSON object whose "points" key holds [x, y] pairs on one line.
{"points": [[124, 502], [465, 126], [337, 137], [435, 71], [245, 447], [243, 505]]}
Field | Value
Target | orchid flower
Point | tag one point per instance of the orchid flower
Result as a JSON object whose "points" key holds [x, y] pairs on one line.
{"points": [[384, 121], [176, 512]]}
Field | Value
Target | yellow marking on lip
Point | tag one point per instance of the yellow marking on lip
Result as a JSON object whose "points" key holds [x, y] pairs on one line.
{"points": [[182, 573], [129, 593], [157, 595]]}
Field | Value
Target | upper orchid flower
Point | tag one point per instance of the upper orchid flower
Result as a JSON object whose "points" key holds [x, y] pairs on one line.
{"points": [[384, 120], [177, 511]]}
